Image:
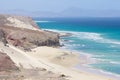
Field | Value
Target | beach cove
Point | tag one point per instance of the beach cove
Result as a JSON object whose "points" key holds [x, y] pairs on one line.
{"points": [[90, 39], [31, 53]]}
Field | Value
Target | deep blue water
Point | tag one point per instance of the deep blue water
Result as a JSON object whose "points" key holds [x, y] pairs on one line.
{"points": [[99, 37]]}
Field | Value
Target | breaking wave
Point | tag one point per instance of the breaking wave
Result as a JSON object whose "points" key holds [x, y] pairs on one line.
{"points": [[97, 37]]}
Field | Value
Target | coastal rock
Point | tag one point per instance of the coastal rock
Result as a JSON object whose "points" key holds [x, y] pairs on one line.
{"points": [[23, 32], [6, 63], [65, 34], [2, 37], [31, 38]]}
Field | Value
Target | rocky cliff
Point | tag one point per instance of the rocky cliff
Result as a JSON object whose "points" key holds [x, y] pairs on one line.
{"points": [[23, 32]]}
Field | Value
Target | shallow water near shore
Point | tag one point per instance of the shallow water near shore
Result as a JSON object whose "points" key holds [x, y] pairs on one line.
{"points": [[98, 37]]}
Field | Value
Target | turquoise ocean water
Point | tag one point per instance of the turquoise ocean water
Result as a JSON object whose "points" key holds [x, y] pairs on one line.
{"points": [[98, 37]]}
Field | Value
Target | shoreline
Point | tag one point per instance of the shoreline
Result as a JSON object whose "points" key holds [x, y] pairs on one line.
{"points": [[87, 68], [85, 55], [42, 58]]}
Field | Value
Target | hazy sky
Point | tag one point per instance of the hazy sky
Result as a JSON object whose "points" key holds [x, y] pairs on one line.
{"points": [[65, 7]]}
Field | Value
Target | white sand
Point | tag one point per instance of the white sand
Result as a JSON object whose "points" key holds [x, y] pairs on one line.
{"points": [[47, 57], [55, 55]]}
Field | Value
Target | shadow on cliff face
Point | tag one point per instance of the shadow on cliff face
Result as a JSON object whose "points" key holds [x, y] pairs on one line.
{"points": [[2, 37]]}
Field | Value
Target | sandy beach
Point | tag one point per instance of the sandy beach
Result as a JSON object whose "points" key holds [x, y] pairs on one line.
{"points": [[60, 40], [52, 60]]}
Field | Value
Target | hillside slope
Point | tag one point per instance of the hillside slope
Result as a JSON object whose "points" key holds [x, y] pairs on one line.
{"points": [[23, 32]]}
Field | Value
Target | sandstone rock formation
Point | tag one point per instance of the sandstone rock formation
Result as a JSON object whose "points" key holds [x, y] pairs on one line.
{"points": [[6, 63], [23, 32]]}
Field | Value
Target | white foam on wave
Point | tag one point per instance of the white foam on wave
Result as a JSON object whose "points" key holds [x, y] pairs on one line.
{"points": [[44, 21], [97, 37], [75, 45], [59, 31], [113, 62], [92, 69], [106, 60], [114, 75], [88, 35]]}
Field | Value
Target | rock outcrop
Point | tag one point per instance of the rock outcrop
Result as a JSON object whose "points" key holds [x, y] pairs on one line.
{"points": [[23, 32], [2, 37], [6, 63]]}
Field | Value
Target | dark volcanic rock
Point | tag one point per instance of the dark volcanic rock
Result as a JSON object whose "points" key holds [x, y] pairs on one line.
{"points": [[65, 34], [2, 37], [6, 63], [2, 34]]}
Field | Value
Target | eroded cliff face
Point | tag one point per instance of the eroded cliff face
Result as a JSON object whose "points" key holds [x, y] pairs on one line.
{"points": [[23, 32]]}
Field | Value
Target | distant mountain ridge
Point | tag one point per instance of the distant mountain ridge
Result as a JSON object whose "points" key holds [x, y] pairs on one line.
{"points": [[69, 12]]}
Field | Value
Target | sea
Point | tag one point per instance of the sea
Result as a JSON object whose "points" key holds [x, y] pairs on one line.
{"points": [[98, 38]]}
